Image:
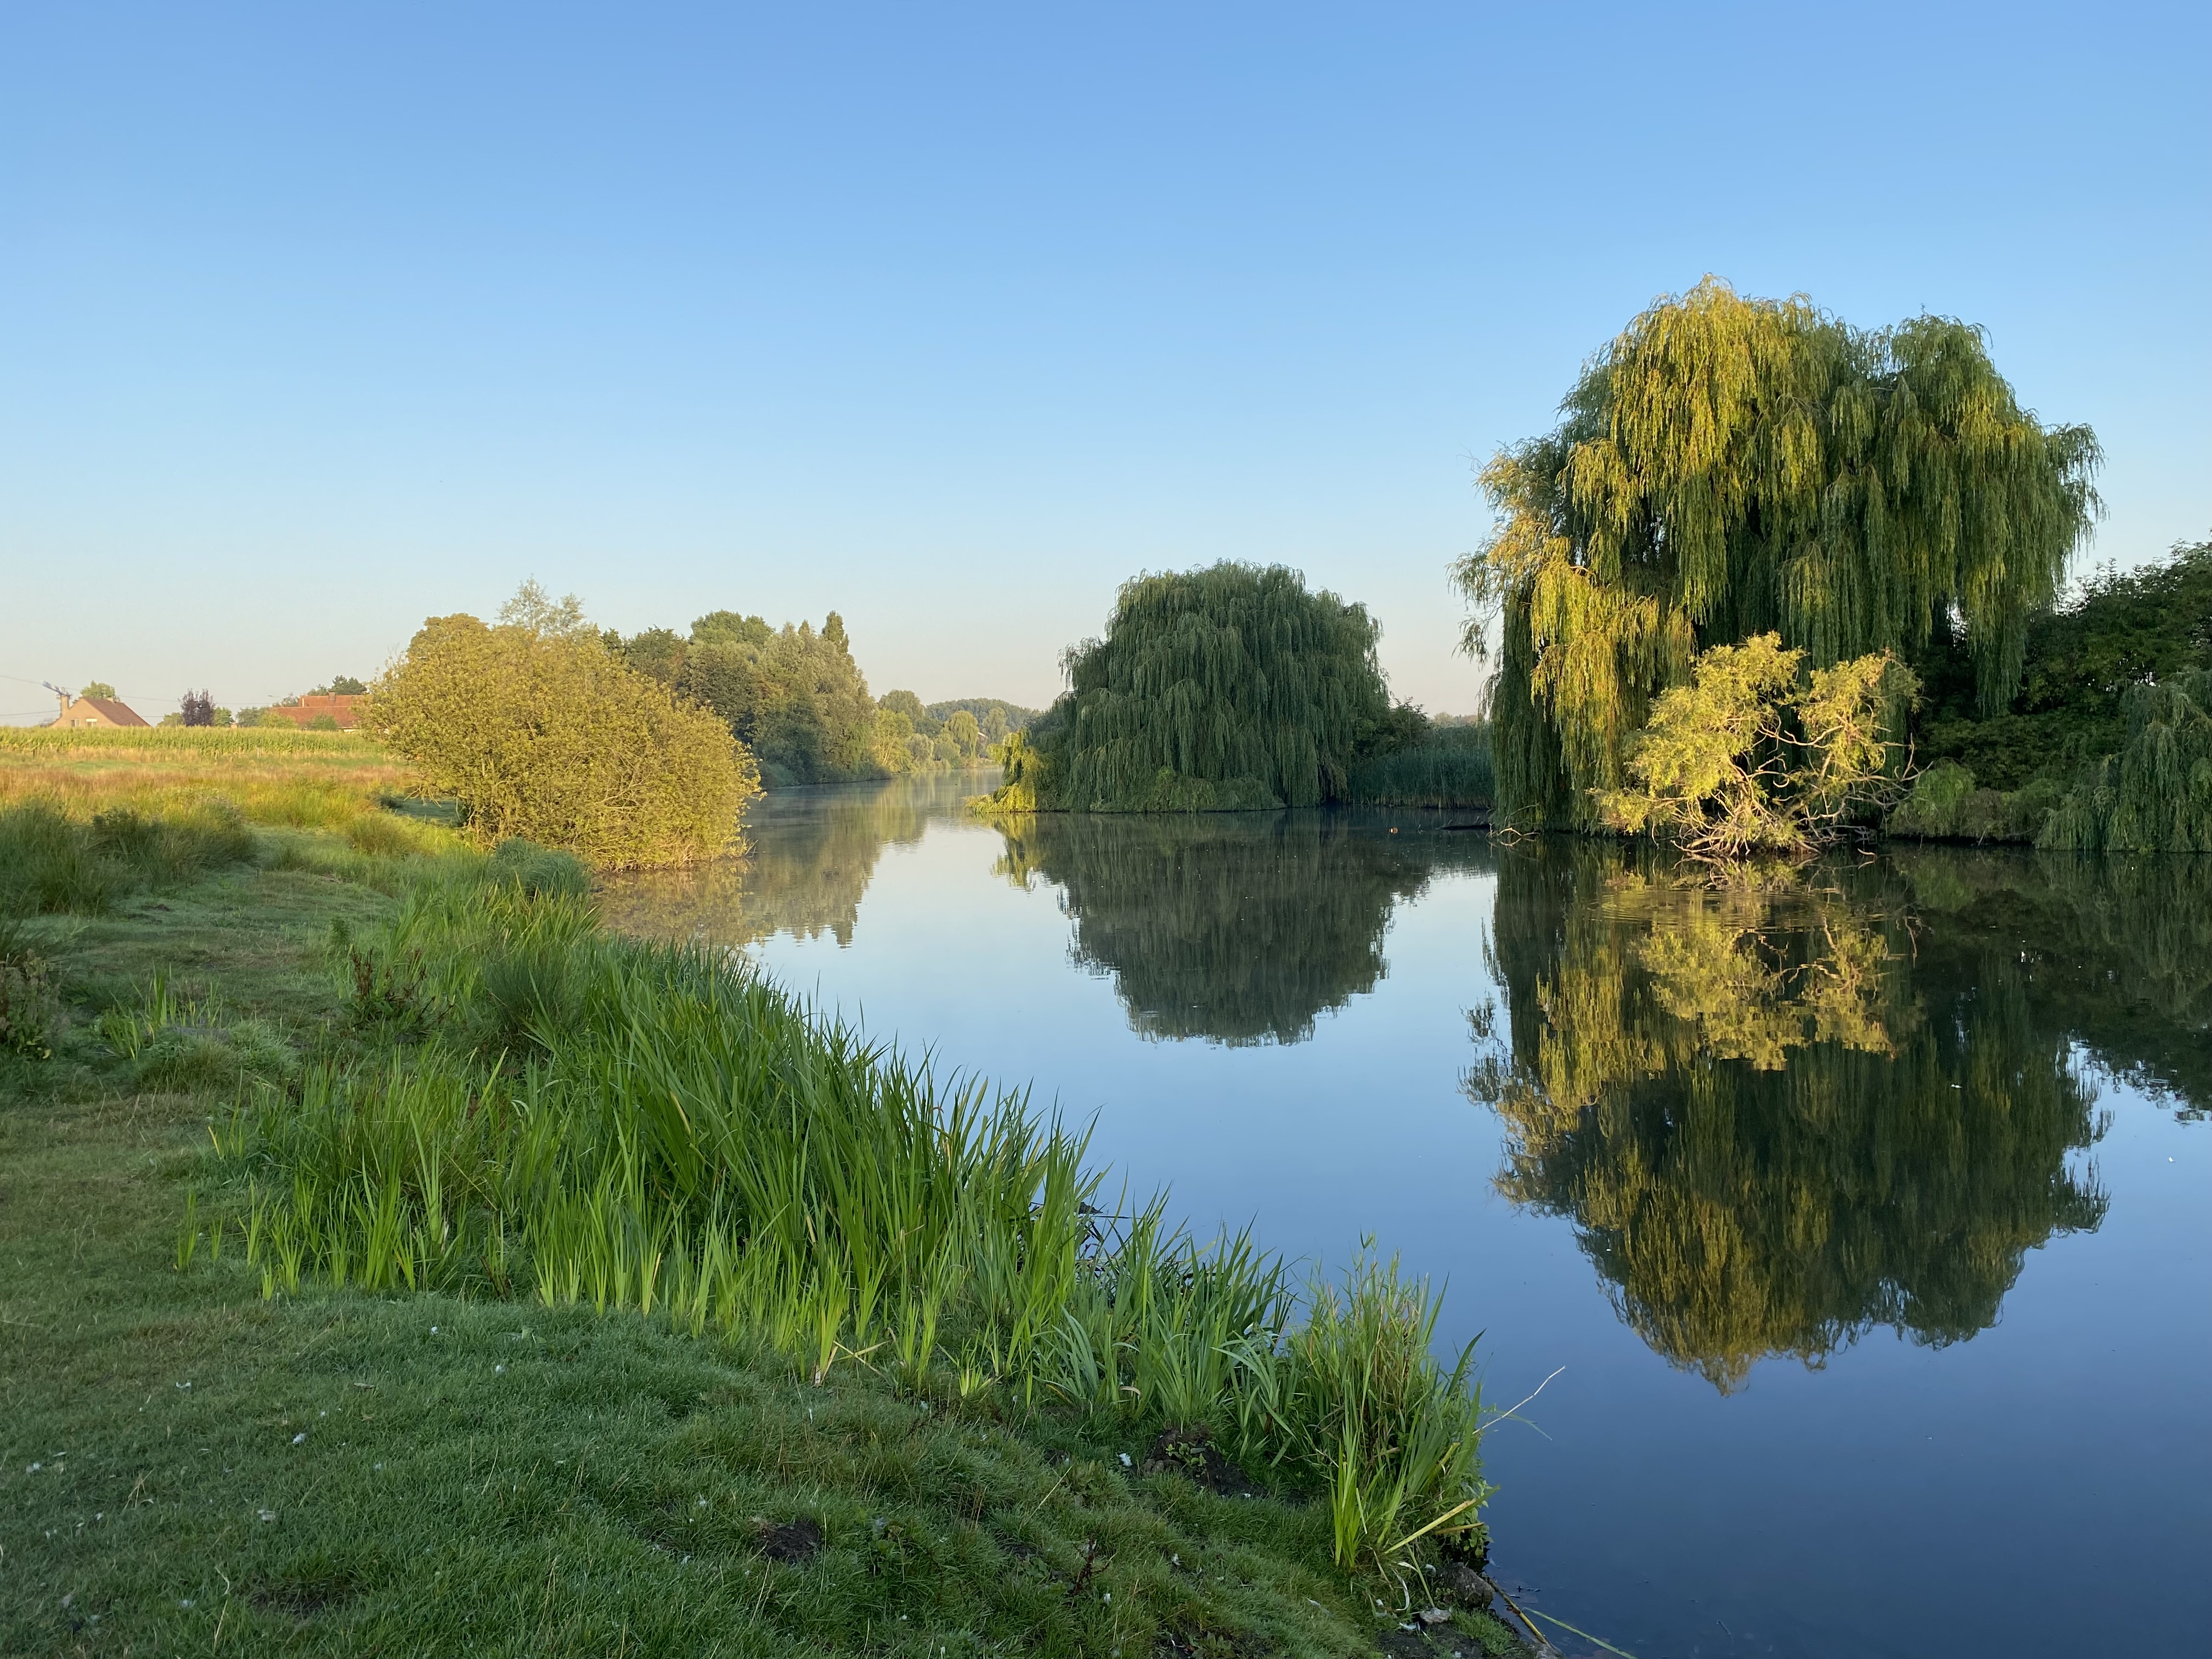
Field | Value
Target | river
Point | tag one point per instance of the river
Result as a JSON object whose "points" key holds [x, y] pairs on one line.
{"points": [[1860, 1221]]}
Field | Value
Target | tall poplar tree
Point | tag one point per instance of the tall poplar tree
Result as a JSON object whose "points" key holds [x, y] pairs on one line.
{"points": [[1729, 467]]}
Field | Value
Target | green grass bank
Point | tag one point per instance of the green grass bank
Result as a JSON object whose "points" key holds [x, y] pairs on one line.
{"points": [[401, 1263]]}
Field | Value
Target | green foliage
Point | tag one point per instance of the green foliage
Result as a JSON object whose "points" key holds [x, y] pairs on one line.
{"points": [[2101, 749], [539, 871], [798, 700], [2155, 795], [1944, 803], [1225, 688], [97, 689], [911, 736], [534, 611], [1732, 467], [1357, 1392], [1445, 766], [30, 1004], [340, 685], [2116, 630], [791, 696], [995, 716], [1755, 756], [545, 735]]}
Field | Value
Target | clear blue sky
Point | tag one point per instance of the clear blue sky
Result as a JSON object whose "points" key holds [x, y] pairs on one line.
{"points": [[315, 321]]}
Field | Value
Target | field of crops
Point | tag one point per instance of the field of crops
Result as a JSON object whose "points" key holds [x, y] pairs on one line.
{"points": [[271, 774]]}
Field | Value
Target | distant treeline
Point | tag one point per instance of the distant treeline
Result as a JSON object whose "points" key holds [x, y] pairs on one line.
{"points": [[796, 698], [2107, 743]]}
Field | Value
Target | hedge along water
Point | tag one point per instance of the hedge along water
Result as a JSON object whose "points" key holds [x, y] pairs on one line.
{"points": [[654, 1129]]}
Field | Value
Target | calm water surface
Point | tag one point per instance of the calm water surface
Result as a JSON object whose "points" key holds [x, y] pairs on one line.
{"points": [[1865, 1221]]}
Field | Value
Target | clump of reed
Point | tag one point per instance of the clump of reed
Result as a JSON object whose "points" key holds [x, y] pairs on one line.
{"points": [[1450, 766], [174, 1040], [654, 1129]]}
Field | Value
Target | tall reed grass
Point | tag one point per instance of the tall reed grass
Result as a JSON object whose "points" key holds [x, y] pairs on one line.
{"points": [[581, 1119], [50, 861]]}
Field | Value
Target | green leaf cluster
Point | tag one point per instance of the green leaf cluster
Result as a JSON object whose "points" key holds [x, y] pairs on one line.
{"points": [[1755, 756], [1729, 467]]}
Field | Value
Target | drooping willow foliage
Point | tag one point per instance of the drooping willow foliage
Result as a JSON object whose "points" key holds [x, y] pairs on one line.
{"points": [[2155, 795], [1729, 467], [1227, 688]]}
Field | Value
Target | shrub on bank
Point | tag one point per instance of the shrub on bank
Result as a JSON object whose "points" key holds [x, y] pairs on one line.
{"points": [[555, 739]]}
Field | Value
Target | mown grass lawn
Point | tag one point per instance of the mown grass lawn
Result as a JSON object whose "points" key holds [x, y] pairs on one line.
{"points": [[185, 1466]]}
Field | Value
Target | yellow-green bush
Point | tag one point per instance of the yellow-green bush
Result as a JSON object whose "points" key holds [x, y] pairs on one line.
{"points": [[556, 740]]}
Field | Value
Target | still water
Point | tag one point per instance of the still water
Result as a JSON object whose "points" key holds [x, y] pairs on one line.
{"points": [[1864, 1221]]}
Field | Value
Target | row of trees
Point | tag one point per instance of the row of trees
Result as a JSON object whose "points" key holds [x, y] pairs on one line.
{"points": [[642, 752], [797, 699]]}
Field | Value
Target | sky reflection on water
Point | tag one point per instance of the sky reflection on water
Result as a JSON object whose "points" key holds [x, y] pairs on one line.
{"points": [[1867, 1216]]}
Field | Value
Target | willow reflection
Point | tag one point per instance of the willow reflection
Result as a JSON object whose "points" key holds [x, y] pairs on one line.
{"points": [[1779, 1117], [1237, 928]]}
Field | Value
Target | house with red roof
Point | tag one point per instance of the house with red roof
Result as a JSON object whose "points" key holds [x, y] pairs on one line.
{"points": [[99, 711]]}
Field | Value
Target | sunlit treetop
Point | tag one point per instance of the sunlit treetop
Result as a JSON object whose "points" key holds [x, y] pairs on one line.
{"points": [[1729, 467]]}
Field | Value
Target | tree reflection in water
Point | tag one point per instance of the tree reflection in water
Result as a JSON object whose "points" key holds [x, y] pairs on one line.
{"points": [[1780, 1114], [809, 856], [1235, 928]]}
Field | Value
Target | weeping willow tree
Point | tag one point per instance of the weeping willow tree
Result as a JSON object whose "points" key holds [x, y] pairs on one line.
{"points": [[1230, 687], [1729, 467]]}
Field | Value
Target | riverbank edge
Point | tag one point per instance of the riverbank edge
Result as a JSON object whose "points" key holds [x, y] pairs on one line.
{"points": [[191, 1491]]}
